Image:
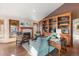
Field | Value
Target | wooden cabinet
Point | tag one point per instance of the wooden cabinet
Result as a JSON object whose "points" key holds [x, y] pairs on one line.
{"points": [[52, 24], [62, 21], [65, 24]]}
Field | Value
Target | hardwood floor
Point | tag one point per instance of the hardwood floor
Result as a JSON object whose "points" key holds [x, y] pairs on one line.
{"points": [[10, 49], [7, 49], [72, 52], [20, 51]]}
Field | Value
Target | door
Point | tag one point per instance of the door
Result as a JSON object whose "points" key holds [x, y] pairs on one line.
{"points": [[76, 32]]}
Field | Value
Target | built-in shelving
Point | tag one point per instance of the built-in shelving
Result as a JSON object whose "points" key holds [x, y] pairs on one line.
{"points": [[62, 21], [52, 24], [13, 27], [63, 24]]}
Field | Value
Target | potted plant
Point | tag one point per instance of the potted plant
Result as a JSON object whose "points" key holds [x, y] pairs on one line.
{"points": [[22, 24]]}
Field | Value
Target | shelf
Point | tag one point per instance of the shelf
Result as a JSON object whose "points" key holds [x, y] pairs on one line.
{"points": [[63, 24], [64, 21]]}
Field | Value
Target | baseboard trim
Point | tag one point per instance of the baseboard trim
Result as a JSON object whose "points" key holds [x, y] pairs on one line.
{"points": [[7, 42]]}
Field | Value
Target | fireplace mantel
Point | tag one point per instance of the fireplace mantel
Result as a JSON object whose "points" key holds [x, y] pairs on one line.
{"points": [[26, 27]]}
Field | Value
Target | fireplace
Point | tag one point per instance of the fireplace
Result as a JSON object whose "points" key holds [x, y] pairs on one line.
{"points": [[28, 31], [27, 35]]}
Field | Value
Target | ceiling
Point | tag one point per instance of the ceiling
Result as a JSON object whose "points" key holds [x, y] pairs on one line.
{"points": [[35, 11]]}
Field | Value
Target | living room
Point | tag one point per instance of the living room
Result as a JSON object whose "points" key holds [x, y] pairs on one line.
{"points": [[42, 29]]}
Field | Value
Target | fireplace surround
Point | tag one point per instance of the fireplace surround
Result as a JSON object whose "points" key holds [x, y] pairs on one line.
{"points": [[27, 31], [27, 35]]}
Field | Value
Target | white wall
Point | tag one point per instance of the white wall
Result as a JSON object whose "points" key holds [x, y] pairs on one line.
{"points": [[6, 28]]}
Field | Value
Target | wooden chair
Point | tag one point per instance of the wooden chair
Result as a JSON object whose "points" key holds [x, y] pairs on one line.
{"points": [[19, 38], [25, 39]]}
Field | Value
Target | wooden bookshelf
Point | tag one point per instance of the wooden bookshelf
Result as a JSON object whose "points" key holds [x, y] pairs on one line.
{"points": [[65, 24], [62, 21], [52, 24], [45, 27]]}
